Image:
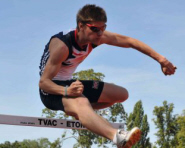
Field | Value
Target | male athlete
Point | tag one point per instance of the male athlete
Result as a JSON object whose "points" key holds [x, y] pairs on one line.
{"points": [[62, 55]]}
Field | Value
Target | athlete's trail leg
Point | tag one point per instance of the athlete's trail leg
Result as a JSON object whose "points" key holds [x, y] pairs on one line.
{"points": [[81, 108]]}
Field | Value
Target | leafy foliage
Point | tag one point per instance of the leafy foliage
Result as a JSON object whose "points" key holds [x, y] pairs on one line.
{"points": [[138, 119], [181, 132], [89, 75], [40, 143], [166, 123]]}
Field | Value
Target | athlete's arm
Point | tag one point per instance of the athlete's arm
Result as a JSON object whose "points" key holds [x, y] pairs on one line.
{"points": [[58, 53], [123, 41]]}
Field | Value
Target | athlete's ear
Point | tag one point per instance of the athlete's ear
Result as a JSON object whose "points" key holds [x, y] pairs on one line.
{"points": [[80, 26]]}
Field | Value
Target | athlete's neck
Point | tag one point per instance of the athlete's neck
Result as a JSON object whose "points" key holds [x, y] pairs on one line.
{"points": [[80, 39]]}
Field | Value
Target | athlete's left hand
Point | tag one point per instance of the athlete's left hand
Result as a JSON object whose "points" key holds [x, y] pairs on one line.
{"points": [[167, 67]]}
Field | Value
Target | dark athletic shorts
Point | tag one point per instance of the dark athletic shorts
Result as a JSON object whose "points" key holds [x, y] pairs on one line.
{"points": [[92, 91]]}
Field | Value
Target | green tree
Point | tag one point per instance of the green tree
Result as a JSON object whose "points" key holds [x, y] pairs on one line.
{"points": [[16, 144], [88, 75], [43, 142], [7, 144], [166, 123], [85, 138], [181, 132], [39, 143], [138, 119]]}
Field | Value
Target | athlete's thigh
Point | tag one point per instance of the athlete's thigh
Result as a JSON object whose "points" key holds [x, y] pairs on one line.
{"points": [[73, 105], [113, 93]]}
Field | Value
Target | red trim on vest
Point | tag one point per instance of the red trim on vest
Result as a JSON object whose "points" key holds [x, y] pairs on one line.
{"points": [[90, 48]]}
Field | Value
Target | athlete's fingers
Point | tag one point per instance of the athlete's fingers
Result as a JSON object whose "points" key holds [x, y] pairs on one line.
{"points": [[79, 92], [78, 82], [171, 67], [80, 89], [81, 86], [168, 72], [168, 69], [78, 86]]}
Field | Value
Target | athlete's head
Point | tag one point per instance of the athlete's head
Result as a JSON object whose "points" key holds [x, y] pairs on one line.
{"points": [[91, 18], [90, 13]]}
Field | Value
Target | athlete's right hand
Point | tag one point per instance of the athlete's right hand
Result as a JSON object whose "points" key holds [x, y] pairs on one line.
{"points": [[75, 89]]}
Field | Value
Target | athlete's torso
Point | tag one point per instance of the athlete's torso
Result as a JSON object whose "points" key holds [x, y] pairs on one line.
{"points": [[76, 55]]}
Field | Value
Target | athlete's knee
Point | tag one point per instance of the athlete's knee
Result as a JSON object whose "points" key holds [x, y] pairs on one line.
{"points": [[83, 101], [74, 106]]}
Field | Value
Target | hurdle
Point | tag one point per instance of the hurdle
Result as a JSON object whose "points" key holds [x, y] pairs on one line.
{"points": [[46, 122]]}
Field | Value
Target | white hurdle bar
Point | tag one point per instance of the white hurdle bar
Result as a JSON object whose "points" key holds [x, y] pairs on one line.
{"points": [[46, 122]]}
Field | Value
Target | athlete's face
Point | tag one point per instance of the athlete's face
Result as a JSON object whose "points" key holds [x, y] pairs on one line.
{"points": [[94, 31]]}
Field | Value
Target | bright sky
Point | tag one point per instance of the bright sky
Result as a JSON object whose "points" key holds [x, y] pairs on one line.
{"points": [[26, 27]]}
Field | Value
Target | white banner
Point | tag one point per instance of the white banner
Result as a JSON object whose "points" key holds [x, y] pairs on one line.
{"points": [[45, 122]]}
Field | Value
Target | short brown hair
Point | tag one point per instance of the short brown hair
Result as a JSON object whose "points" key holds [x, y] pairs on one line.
{"points": [[91, 12]]}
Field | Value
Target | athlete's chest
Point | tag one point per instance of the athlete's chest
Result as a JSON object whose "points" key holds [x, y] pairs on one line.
{"points": [[78, 56]]}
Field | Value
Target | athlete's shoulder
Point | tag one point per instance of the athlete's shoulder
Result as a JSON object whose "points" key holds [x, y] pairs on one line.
{"points": [[57, 44], [64, 35], [109, 37], [62, 39], [58, 50]]}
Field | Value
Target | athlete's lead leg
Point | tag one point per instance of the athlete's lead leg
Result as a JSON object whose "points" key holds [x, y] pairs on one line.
{"points": [[81, 108], [113, 94]]}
